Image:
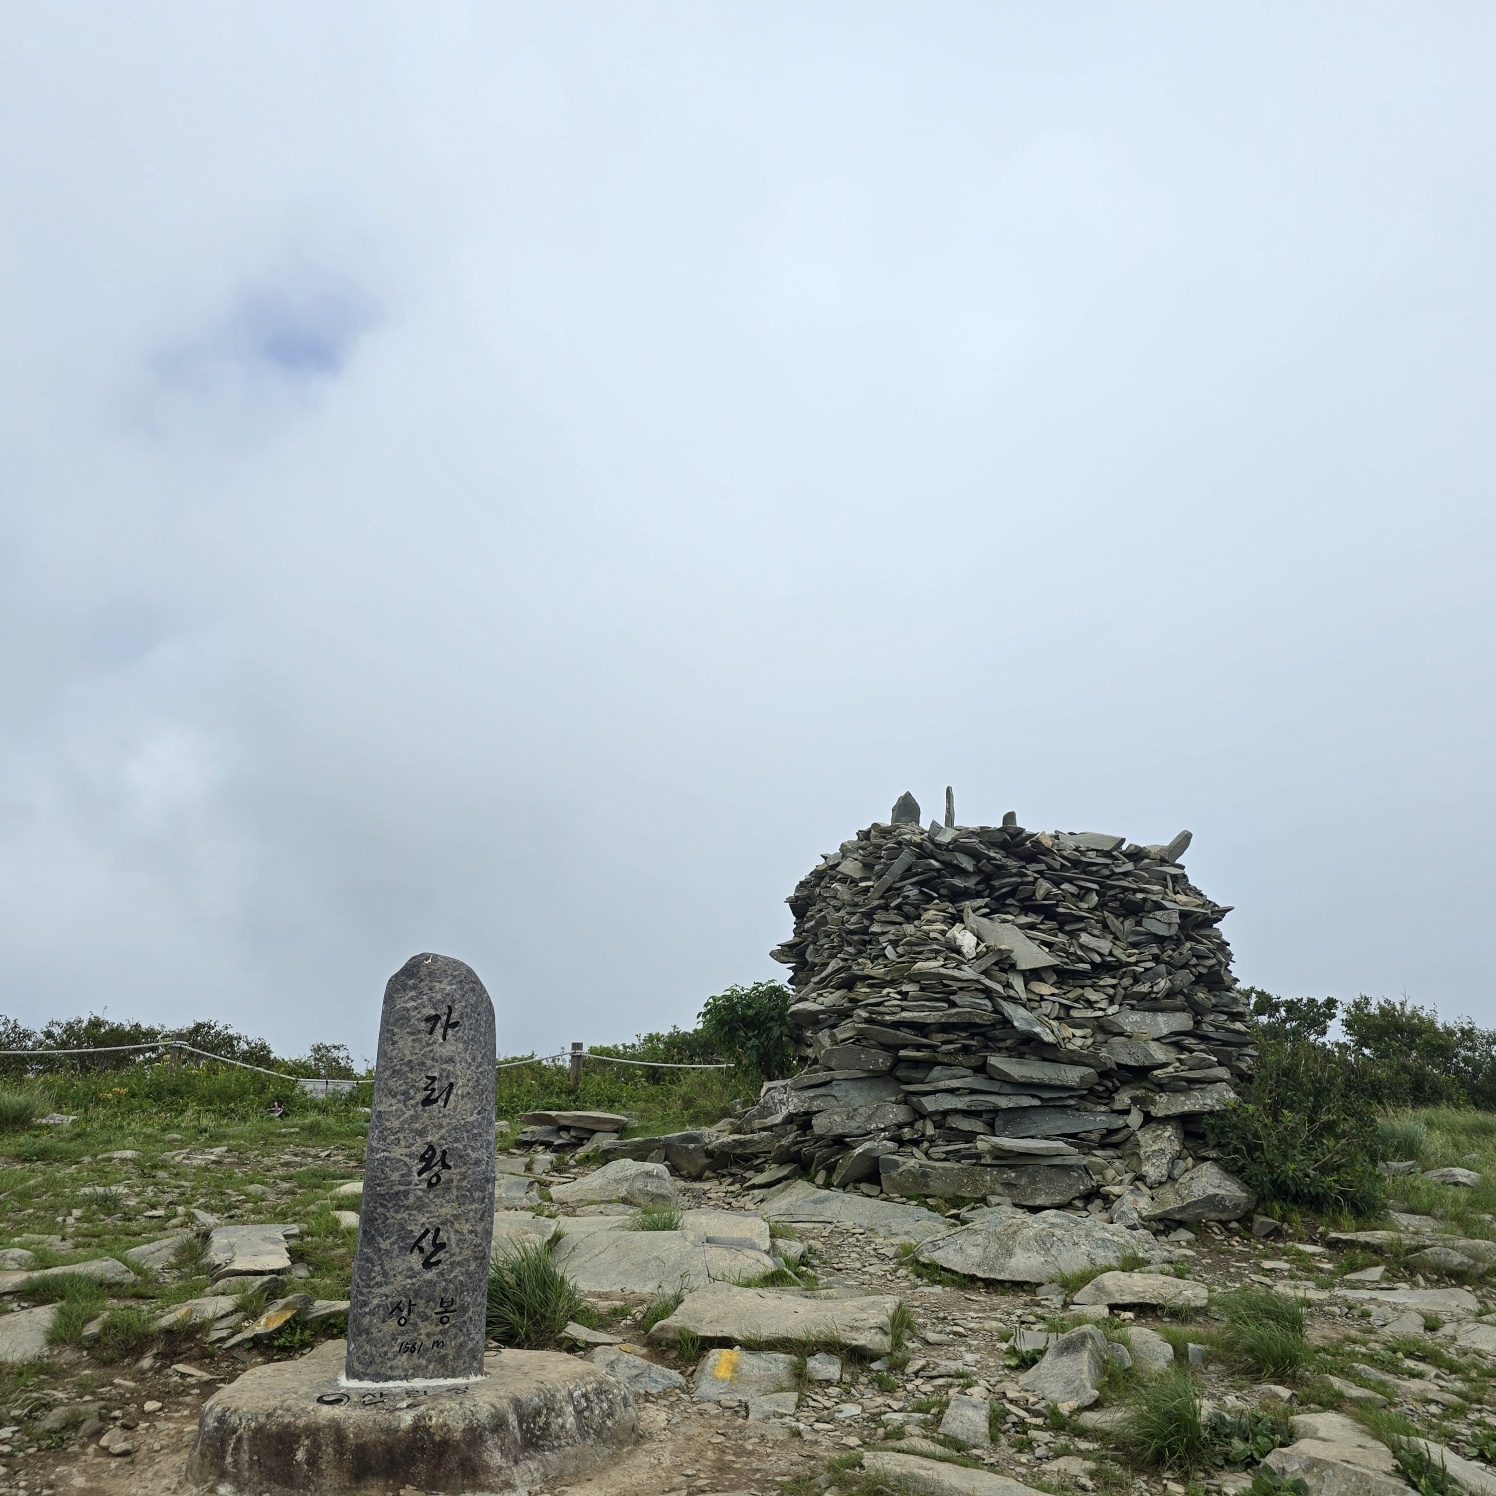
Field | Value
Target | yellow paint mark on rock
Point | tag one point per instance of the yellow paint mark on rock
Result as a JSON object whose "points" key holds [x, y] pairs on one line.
{"points": [[724, 1364]]}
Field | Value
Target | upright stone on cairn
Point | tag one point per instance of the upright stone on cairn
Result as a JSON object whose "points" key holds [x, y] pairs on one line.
{"points": [[426, 1222]]}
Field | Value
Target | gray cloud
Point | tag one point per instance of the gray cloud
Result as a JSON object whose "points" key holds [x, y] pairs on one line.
{"points": [[524, 483]]}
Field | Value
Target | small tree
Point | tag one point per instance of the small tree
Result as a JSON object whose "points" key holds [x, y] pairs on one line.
{"points": [[750, 1026]]}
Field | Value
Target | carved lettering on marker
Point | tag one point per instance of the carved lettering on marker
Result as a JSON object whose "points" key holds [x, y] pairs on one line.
{"points": [[431, 1165], [447, 1023], [435, 1094], [430, 1244]]}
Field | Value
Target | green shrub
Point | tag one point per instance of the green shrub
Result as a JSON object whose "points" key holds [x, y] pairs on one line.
{"points": [[751, 1027], [20, 1106], [530, 1300], [1164, 1427]]}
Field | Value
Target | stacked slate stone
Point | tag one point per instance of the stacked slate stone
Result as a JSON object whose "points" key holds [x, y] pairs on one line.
{"points": [[986, 1011]]}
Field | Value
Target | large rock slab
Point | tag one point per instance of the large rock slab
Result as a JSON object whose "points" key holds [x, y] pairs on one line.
{"points": [[1139, 1025], [1334, 1456], [734, 1372], [967, 1421], [1206, 1193], [155, 1255], [96, 1270], [1040, 1073], [1024, 1184], [1037, 1248], [855, 1122], [425, 1230], [1477, 1479], [629, 1180], [576, 1121], [204, 1311], [513, 1229], [1465, 1178], [1155, 1146], [653, 1262], [296, 1426], [1152, 1355], [1144, 1288], [1215, 1097], [799, 1203], [23, 1334], [727, 1228], [936, 1478], [1071, 1369], [249, 1251], [722, 1312], [1424, 1300]]}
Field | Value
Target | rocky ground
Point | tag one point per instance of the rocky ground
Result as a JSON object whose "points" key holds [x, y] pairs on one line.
{"points": [[978, 1375]]}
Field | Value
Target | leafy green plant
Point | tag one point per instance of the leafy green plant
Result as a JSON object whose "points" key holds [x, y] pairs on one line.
{"points": [[1242, 1439], [530, 1300], [751, 1026], [662, 1218], [1165, 1427], [1428, 1475]]}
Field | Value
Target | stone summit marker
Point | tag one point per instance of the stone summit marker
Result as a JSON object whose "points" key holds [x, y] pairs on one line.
{"points": [[410, 1398], [426, 1222]]}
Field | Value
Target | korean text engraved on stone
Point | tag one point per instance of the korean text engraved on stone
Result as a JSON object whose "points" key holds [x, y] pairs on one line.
{"points": [[426, 1222]]}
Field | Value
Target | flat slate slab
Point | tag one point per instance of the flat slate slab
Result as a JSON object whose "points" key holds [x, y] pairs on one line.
{"points": [[627, 1180], [1037, 1248], [204, 1311], [23, 1334], [723, 1312], [727, 1228], [636, 1373], [96, 1270], [1427, 1300], [249, 1251], [517, 1228], [1144, 1288], [156, 1254], [733, 1372], [936, 1478], [804, 1204], [580, 1121], [653, 1262]]}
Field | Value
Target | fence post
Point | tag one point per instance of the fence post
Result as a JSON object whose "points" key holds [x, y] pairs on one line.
{"points": [[576, 1064]]}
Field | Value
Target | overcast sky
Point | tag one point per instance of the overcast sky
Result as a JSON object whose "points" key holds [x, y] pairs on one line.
{"points": [[522, 481]]}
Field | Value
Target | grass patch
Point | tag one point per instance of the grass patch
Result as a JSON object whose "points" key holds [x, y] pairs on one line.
{"points": [[1403, 1137], [1264, 1331], [1165, 1428], [127, 1332], [783, 1276], [662, 1218], [688, 1347], [901, 1328], [80, 1302], [20, 1106], [530, 1300], [662, 1308]]}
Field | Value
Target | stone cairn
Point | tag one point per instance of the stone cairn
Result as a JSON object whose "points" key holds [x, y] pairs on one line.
{"points": [[1034, 1018]]}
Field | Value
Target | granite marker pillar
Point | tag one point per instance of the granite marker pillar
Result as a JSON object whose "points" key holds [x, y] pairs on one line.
{"points": [[420, 1274]]}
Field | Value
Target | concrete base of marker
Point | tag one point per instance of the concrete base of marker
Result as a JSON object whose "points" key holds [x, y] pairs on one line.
{"points": [[293, 1427]]}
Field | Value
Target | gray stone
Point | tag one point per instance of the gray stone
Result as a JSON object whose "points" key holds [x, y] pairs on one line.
{"points": [[1465, 1178], [722, 1312], [1071, 1370], [352, 1190], [856, 1057], [852, 1122], [1475, 1336], [1051, 1121], [1191, 1101], [1140, 1025], [297, 1426], [513, 1229], [1036, 1184], [1334, 1456], [823, 1367], [1037, 1248], [736, 1373], [811, 1093], [1206, 1193], [23, 1334], [800, 1203], [420, 1271], [17, 1259], [1366, 1275], [966, 1420], [515, 1192], [772, 1405], [156, 1255], [1040, 1073], [861, 1162], [203, 1311], [1151, 1353], [248, 1251], [637, 1374], [1144, 1288], [576, 1121], [272, 1319], [1153, 1149], [1440, 1260], [1476, 1479], [1001, 935], [937, 1478], [905, 811], [643, 1262], [1354, 1394], [1424, 1300], [1139, 1054], [625, 1179], [727, 1228], [96, 1270], [1004, 1150]]}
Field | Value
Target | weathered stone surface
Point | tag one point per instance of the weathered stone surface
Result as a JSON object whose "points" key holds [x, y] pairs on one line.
{"points": [[645, 1262], [352, 1190], [1040, 1073], [1034, 1184], [1050, 1121], [823, 1367], [23, 1334], [1139, 1054], [1335, 1456], [1153, 1149], [855, 1122], [1425, 1300], [966, 1419], [273, 1318], [861, 1162], [516, 1228], [1476, 1479], [804, 1204], [1465, 1178], [1144, 1288], [96, 1270], [426, 1220], [727, 1228], [772, 1405], [203, 1311], [1351, 1393], [1475, 1336], [1210, 1098], [1206, 1193], [624, 1179], [576, 1121], [857, 1057], [18, 1259], [1440, 1260], [1036, 1249], [733, 1372], [1137, 1024], [242, 1251], [905, 811], [1151, 1353], [515, 1192], [635, 1372], [1071, 1369], [295, 1426], [722, 1312], [156, 1255], [936, 1478], [1001, 935]]}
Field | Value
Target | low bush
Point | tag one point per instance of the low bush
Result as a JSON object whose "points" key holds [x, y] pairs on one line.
{"points": [[530, 1300]]}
